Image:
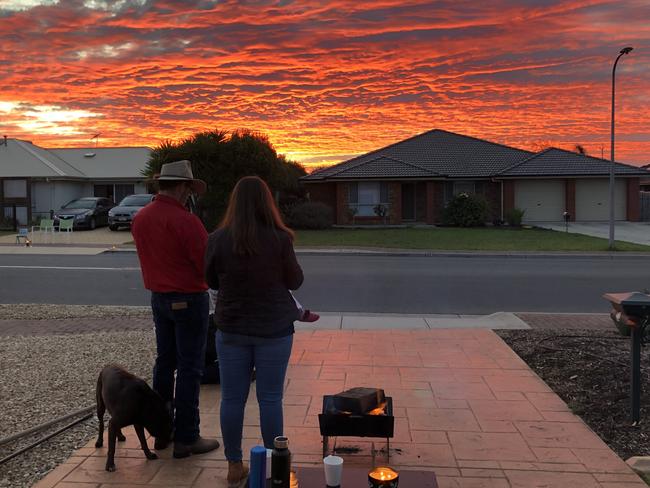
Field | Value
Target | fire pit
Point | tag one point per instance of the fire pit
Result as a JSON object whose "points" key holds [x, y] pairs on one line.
{"points": [[358, 412]]}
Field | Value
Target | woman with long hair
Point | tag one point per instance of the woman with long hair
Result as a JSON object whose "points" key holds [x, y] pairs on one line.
{"points": [[251, 263]]}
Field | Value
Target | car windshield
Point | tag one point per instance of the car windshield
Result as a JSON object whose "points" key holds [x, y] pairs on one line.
{"points": [[135, 201], [81, 204]]}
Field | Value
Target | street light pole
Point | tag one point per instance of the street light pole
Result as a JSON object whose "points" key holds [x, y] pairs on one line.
{"points": [[612, 215]]}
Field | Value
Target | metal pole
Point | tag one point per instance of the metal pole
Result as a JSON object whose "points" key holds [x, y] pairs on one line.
{"points": [[612, 165], [635, 374]]}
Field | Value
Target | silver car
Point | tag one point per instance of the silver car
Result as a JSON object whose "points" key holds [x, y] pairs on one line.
{"points": [[122, 215]]}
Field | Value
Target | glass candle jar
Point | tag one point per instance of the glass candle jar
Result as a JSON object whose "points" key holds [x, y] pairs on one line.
{"points": [[383, 477]]}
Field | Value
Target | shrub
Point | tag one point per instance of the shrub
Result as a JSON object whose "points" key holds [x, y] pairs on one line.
{"points": [[310, 215], [514, 217], [466, 210], [381, 211]]}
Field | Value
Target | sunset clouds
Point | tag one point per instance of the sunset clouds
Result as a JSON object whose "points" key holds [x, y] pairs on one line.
{"points": [[326, 80]]}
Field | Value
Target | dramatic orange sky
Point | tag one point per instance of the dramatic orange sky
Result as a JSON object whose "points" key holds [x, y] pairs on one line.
{"points": [[326, 80]]}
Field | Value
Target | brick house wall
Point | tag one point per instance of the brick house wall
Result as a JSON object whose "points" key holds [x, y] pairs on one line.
{"points": [[439, 201], [508, 197], [395, 202], [421, 201], [430, 199], [342, 202], [491, 191], [322, 192]]}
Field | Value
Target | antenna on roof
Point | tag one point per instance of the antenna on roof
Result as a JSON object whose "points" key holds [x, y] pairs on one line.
{"points": [[96, 137]]}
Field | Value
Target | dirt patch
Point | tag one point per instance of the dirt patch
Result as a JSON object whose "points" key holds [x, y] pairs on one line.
{"points": [[590, 370]]}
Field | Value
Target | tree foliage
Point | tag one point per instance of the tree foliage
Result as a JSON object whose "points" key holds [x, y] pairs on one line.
{"points": [[221, 158]]}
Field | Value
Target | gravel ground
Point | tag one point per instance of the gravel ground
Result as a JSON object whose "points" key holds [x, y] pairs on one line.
{"points": [[46, 311], [590, 370], [44, 377]]}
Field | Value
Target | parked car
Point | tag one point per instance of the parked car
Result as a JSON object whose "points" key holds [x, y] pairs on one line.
{"points": [[87, 212], [122, 215]]}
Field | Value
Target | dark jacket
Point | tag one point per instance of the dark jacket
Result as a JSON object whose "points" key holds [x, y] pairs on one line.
{"points": [[253, 291]]}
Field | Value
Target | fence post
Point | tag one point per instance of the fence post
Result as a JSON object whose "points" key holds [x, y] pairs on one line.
{"points": [[15, 219]]}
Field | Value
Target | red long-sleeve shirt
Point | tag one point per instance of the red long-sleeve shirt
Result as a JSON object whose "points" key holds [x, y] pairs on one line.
{"points": [[171, 244]]}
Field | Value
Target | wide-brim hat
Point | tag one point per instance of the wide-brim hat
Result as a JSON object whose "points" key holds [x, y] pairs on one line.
{"points": [[181, 171]]}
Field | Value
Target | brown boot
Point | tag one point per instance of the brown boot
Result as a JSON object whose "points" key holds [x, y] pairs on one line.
{"points": [[237, 474]]}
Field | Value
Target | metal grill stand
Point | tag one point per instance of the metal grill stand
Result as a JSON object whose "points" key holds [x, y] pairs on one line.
{"points": [[632, 310], [342, 425]]}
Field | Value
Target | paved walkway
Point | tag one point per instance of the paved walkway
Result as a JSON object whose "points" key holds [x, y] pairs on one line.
{"points": [[636, 232], [466, 408], [331, 321]]}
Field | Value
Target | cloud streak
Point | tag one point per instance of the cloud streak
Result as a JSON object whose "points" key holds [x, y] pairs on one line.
{"points": [[330, 79]]}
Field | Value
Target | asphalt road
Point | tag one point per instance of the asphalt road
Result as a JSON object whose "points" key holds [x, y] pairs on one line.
{"points": [[361, 283]]}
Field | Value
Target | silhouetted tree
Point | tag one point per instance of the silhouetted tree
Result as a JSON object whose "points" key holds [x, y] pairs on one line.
{"points": [[221, 158], [580, 149]]}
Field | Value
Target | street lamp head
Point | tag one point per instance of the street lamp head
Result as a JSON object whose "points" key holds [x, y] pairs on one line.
{"points": [[626, 50]]}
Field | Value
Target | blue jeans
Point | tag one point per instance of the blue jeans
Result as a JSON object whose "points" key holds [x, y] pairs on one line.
{"points": [[181, 321], [238, 354]]}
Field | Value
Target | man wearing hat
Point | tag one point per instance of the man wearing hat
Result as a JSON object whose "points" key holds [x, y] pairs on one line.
{"points": [[171, 244]]}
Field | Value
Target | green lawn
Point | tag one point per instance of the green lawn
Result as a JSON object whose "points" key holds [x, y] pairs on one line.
{"points": [[458, 239]]}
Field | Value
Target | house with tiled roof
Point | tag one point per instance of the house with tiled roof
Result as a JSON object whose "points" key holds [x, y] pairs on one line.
{"points": [[35, 181], [414, 179]]}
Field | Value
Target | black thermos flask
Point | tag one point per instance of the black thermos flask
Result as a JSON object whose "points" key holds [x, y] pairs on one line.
{"points": [[280, 463]]}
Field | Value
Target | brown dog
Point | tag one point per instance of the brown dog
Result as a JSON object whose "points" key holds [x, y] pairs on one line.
{"points": [[130, 401]]}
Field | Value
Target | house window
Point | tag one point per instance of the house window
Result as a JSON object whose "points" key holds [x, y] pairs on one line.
{"points": [[20, 216], [464, 187], [15, 188], [365, 195]]}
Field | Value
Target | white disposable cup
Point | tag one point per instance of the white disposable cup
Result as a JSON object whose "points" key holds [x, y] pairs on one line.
{"points": [[333, 470], [269, 453]]}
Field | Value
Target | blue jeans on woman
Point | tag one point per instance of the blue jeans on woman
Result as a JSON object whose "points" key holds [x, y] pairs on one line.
{"points": [[238, 354], [181, 321]]}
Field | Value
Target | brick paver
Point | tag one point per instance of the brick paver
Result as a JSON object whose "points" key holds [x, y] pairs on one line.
{"points": [[473, 426]]}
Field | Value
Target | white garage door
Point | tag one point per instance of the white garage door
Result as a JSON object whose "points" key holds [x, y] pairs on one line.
{"points": [[541, 200], [592, 200]]}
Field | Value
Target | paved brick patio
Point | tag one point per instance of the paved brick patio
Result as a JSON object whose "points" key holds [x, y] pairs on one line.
{"points": [[466, 408]]}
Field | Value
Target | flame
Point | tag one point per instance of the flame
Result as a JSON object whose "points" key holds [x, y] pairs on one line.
{"points": [[380, 410], [383, 474]]}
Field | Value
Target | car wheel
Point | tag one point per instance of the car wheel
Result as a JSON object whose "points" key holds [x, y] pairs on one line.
{"points": [[93, 223], [113, 227]]}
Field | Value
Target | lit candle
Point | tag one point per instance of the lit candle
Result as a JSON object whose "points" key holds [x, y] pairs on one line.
{"points": [[383, 477]]}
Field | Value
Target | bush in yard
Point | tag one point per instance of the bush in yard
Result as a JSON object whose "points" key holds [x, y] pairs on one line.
{"points": [[515, 216], [381, 211], [310, 215], [466, 210]]}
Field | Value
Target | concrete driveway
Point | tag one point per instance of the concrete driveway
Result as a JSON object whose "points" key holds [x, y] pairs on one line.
{"points": [[636, 232]]}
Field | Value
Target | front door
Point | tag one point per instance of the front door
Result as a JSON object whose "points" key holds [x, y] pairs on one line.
{"points": [[408, 201]]}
